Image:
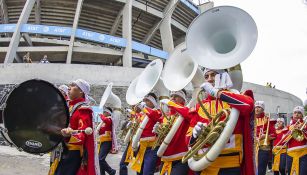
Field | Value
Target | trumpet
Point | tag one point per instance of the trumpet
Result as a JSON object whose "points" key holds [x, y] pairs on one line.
{"points": [[266, 141], [294, 133], [164, 129], [208, 134]]}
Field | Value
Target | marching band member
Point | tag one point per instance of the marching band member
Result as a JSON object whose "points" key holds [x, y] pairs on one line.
{"points": [[146, 158], [263, 149], [237, 156], [77, 144], [297, 147], [279, 164], [177, 148], [105, 141], [135, 117]]}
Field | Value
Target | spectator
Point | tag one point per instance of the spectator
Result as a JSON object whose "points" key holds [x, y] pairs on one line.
{"points": [[44, 60], [26, 58]]}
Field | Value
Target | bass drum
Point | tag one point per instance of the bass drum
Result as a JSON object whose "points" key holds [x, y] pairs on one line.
{"points": [[34, 113], [2, 132]]}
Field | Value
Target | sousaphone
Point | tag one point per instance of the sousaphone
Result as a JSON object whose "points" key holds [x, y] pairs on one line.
{"points": [[109, 99], [220, 38], [182, 68], [149, 80]]}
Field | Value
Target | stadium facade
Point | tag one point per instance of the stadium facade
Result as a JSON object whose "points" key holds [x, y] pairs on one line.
{"points": [[98, 40]]}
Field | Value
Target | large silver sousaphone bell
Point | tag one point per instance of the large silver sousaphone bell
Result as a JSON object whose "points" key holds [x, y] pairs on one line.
{"points": [[131, 97], [110, 99], [221, 37], [179, 69], [150, 79]]}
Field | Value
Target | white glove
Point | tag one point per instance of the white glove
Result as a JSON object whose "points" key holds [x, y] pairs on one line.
{"points": [[197, 129], [209, 89], [142, 105], [156, 127], [164, 101], [305, 119], [223, 81], [128, 110]]}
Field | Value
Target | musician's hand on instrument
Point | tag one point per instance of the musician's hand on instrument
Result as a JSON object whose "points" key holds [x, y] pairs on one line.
{"points": [[223, 81], [128, 110], [156, 127], [165, 101], [66, 132], [209, 89], [262, 137], [298, 126], [197, 129], [142, 105]]}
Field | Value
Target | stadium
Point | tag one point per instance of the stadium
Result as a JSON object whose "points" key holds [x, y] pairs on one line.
{"points": [[100, 41]]}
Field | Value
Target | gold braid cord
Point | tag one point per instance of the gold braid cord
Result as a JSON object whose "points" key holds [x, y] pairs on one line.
{"points": [[164, 129], [208, 134]]}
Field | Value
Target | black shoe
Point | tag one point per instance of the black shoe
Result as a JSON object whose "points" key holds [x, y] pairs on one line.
{"points": [[113, 172]]}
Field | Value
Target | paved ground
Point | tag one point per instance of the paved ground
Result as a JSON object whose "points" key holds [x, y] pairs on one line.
{"points": [[13, 162]]}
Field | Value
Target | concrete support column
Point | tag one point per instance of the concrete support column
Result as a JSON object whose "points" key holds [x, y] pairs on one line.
{"points": [[3, 12], [166, 28], [167, 35], [127, 33], [38, 12], [25, 14], [73, 32], [205, 6]]}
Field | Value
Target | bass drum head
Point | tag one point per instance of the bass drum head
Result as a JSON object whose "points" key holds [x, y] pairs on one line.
{"points": [[34, 114]]}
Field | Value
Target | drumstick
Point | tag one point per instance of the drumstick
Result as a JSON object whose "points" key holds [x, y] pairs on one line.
{"points": [[87, 131]]}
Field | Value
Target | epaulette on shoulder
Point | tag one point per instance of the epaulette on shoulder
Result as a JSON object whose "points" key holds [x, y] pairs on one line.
{"points": [[85, 107]]}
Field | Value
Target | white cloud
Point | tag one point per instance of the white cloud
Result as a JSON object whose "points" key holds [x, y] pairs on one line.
{"points": [[280, 55]]}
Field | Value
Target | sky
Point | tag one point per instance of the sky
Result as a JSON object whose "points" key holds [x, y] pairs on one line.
{"points": [[280, 55]]}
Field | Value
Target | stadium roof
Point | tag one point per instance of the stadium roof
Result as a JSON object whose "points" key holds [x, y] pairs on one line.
{"points": [[100, 16]]}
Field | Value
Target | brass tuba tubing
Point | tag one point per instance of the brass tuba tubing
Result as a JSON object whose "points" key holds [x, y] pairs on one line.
{"points": [[288, 137]]}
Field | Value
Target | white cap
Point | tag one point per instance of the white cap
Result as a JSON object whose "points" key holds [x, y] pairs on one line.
{"points": [[219, 71], [299, 109], [260, 104], [152, 100], [281, 120], [180, 93], [84, 86], [107, 109]]}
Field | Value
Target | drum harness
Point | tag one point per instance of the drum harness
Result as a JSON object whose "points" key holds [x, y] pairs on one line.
{"points": [[57, 152]]}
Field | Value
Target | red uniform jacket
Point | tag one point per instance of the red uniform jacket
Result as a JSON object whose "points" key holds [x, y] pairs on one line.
{"points": [[280, 134], [154, 116], [105, 132], [245, 104], [294, 144], [261, 127], [80, 120], [178, 147]]}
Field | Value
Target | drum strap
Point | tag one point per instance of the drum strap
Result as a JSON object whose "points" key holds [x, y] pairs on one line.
{"points": [[75, 107]]}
